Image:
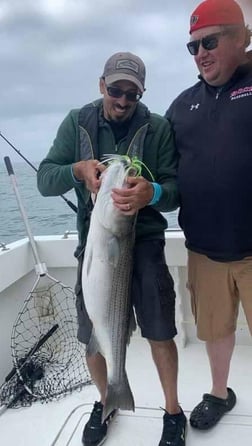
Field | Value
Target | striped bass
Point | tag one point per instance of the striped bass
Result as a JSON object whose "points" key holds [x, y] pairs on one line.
{"points": [[106, 283]]}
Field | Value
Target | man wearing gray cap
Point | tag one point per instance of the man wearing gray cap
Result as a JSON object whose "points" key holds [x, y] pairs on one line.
{"points": [[120, 124]]}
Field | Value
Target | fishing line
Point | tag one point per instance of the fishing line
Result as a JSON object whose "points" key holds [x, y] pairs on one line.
{"points": [[69, 202]]}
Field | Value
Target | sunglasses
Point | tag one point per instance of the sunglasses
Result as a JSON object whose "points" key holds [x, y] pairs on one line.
{"points": [[116, 92], [209, 43]]}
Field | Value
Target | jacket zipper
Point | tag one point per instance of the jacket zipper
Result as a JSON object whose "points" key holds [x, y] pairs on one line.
{"points": [[218, 93]]}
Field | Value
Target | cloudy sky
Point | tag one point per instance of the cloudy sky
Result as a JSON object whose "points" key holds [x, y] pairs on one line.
{"points": [[53, 52]]}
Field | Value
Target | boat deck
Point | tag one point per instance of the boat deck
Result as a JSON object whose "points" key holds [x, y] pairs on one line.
{"points": [[61, 423]]}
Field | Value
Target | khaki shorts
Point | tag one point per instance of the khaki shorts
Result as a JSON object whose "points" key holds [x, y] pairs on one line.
{"points": [[216, 289]]}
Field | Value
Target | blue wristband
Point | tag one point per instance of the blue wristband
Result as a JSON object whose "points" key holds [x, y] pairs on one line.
{"points": [[157, 192]]}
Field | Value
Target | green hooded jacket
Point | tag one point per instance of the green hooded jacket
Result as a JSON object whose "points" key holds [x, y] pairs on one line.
{"points": [[55, 175]]}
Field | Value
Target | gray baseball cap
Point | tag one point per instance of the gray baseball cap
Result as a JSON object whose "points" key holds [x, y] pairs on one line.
{"points": [[125, 66]]}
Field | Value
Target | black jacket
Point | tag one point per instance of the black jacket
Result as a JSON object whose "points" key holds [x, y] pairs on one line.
{"points": [[213, 133]]}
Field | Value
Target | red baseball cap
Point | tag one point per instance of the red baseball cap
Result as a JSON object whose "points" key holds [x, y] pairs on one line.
{"points": [[216, 12]]}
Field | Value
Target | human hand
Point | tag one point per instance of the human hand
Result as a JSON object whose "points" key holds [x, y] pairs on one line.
{"points": [[89, 172], [136, 195]]}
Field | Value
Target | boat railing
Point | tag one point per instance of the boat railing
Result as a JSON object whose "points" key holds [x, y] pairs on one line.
{"points": [[3, 247], [68, 233]]}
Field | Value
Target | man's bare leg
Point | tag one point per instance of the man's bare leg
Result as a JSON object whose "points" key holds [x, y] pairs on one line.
{"points": [[220, 354], [165, 356], [98, 371]]}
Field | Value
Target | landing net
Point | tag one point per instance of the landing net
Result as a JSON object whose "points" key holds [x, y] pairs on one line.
{"points": [[48, 360]]}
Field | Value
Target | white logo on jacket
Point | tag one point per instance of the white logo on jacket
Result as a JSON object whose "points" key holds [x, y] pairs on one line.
{"points": [[194, 107]]}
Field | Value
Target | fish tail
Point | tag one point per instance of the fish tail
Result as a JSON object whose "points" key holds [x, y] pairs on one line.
{"points": [[119, 396]]}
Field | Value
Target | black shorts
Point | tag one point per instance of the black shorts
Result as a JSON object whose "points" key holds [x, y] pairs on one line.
{"points": [[153, 295]]}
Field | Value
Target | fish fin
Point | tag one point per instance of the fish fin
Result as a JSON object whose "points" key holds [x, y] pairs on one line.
{"points": [[119, 396], [113, 251], [93, 345]]}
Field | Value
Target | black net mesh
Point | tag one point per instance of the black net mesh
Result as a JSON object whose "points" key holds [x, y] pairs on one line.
{"points": [[49, 361]]}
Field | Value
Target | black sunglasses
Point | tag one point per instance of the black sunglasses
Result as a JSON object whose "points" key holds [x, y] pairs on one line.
{"points": [[116, 92], [209, 43]]}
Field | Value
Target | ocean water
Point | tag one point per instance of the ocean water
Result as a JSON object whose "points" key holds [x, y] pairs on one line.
{"points": [[46, 215]]}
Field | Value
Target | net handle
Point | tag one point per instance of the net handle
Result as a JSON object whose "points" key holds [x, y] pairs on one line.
{"points": [[40, 267]]}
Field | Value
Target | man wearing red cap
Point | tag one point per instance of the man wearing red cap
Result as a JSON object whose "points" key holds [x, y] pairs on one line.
{"points": [[212, 122]]}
